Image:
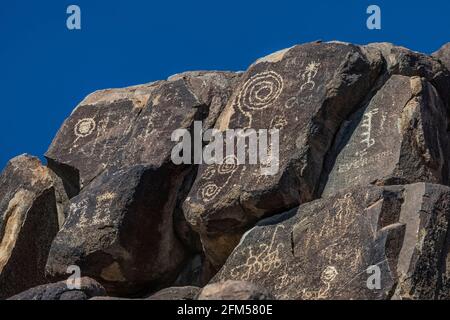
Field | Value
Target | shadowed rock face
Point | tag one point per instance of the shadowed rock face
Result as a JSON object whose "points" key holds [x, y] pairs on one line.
{"points": [[28, 223], [120, 231], [114, 152], [400, 137], [325, 249], [305, 92], [59, 291]]}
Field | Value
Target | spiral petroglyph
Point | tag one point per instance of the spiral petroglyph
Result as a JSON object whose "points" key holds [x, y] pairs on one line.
{"points": [[228, 166], [260, 91], [209, 191]]}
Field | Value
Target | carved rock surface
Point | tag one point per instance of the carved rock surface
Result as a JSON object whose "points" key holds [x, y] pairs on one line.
{"points": [[119, 230], [234, 290], [355, 204], [60, 291], [28, 224], [114, 155], [329, 247], [305, 92], [117, 128], [400, 137]]}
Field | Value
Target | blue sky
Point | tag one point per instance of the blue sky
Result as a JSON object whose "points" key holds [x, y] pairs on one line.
{"points": [[45, 69]]}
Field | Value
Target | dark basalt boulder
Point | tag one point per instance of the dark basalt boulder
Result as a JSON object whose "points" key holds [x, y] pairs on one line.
{"points": [[123, 225], [118, 128], [400, 137], [354, 203], [119, 231], [28, 224], [60, 291], [306, 92], [234, 290], [330, 247], [176, 293]]}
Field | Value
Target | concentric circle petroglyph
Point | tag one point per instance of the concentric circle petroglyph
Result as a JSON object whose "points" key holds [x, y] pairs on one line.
{"points": [[85, 127], [260, 91]]}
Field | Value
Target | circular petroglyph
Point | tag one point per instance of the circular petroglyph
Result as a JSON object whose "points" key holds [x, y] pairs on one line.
{"points": [[85, 127], [209, 191], [260, 91], [329, 274], [291, 103], [229, 165]]}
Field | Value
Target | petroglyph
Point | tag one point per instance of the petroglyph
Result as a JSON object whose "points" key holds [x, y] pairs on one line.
{"points": [[229, 166], [367, 124], [209, 191], [259, 93], [278, 122], [260, 259], [310, 73], [362, 161], [84, 127], [291, 103]]}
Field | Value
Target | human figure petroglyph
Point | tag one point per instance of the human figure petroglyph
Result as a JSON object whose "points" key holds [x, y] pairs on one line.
{"points": [[310, 73], [327, 277]]}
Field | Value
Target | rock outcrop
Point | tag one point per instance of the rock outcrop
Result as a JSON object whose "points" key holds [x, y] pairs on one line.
{"points": [[328, 248], [114, 152], [399, 138], [349, 196], [60, 291], [234, 290], [306, 92], [28, 224]]}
